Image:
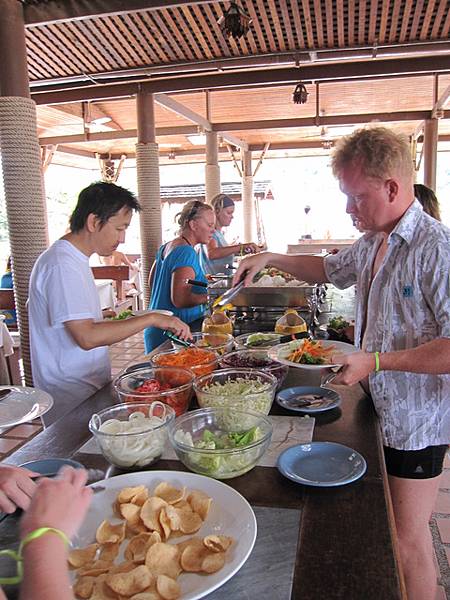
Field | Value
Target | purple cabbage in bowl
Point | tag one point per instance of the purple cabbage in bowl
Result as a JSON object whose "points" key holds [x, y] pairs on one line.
{"points": [[256, 359]]}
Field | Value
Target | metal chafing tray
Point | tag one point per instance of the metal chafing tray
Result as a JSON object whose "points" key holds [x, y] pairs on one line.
{"points": [[283, 296]]}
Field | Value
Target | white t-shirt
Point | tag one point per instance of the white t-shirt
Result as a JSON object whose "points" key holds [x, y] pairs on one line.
{"points": [[62, 289]]}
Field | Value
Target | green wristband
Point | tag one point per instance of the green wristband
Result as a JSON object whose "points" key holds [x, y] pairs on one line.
{"points": [[17, 556], [377, 361]]}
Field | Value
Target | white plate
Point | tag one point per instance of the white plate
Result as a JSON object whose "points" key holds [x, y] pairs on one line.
{"points": [[281, 351], [230, 514], [23, 404], [138, 313]]}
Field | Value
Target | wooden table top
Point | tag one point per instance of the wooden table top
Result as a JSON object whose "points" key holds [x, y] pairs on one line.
{"points": [[345, 546]]}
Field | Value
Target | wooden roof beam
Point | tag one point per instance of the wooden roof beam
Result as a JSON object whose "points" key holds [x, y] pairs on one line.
{"points": [[55, 11], [441, 103], [248, 78], [115, 135]]}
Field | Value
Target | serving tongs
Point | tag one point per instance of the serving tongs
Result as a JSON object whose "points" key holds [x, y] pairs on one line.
{"points": [[178, 340], [226, 298]]}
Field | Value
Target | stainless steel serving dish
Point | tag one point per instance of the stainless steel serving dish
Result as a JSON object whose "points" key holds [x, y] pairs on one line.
{"points": [[302, 296]]}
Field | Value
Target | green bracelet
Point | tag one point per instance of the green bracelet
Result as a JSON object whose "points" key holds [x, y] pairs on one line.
{"points": [[377, 361], [17, 556]]}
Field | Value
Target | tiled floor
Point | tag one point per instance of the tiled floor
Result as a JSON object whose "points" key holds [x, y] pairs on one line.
{"points": [[131, 351]]}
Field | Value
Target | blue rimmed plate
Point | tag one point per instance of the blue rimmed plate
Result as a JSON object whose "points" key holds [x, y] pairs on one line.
{"points": [[321, 464], [308, 400]]}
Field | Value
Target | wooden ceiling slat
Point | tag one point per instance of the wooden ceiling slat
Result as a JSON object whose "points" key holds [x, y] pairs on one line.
{"points": [[405, 21], [330, 24], [362, 22], [167, 16], [199, 37], [97, 48], [86, 59], [438, 20], [36, 59], [298, 29], [256, 26], [151, 23], [373, 13], [277, 25], [42, 57], [213, 22], [340, 23], [319, 23], [129, 42], [308, 23], [137, 27], [207, 30], [385, 15], [424, 32], [416, 19], [53, 49], [186, 30], [103, 31], [395, 13], [351, 22], [266, 24], [446, 27], [287, 24]]}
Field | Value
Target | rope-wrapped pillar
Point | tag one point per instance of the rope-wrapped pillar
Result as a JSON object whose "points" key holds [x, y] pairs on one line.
{"points": [[147, 167], [21, 165], [212, 169], [248, 204], [25, 203]]}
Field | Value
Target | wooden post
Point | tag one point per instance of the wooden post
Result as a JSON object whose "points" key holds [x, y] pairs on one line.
{"points": [[430, 142]]}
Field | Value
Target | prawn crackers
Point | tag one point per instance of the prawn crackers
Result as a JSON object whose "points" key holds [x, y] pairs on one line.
{"points": [[153, 561]]}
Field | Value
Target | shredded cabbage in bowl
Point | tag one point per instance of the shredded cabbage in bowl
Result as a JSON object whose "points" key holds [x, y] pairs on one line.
{"points": [[241, 393]]}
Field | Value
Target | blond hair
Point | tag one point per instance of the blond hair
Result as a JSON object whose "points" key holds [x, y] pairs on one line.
{"points": [[221, 201], [379, 152], [191, 210]]}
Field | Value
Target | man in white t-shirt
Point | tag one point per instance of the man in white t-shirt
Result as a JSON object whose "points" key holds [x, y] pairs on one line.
{"points": [[68, 337]]}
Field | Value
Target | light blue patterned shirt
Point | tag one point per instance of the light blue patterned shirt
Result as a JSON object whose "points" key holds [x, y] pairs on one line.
{"points": [[406, 304]]}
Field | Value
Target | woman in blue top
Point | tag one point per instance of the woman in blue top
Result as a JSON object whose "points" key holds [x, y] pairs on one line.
{"points": [[175, 263], [217, 256]]}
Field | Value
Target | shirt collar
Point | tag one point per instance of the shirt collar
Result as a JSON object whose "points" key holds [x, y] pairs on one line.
{"points": [[406, 226]]}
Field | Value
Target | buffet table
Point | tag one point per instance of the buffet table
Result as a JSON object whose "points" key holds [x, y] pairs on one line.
{"points": [[313, 543]]}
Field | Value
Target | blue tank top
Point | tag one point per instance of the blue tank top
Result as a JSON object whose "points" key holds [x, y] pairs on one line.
{"points": [[216, 265], [181, 256]]}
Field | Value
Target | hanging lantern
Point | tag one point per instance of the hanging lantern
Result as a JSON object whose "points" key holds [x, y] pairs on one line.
{"points": [[235, 22], [300, 95]]}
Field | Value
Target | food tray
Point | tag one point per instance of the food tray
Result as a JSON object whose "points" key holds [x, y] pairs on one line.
{"points": [[284, 296]]}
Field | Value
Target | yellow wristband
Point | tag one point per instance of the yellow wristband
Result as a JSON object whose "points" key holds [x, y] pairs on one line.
{"points": [[377, 361], [17, 556]]}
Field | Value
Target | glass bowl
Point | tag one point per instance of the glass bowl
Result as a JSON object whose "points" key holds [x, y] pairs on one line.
{"points": [[243, 389], [219, 342], [132, 436], [255, 359], [244, 435], [170, 385], [197, 360], [272, 340]]}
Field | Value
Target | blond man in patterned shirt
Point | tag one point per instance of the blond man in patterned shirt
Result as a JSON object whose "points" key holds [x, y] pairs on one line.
{"points": [[401, 269]]}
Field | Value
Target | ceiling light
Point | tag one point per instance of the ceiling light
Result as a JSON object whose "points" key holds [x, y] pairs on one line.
{"points": [[169, 145], [197, 139], [172, 155], [300, 95], [235, 22], [338, 131]]}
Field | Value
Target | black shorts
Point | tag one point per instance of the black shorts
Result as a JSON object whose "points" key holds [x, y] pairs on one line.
{"points": [[415, 464]]}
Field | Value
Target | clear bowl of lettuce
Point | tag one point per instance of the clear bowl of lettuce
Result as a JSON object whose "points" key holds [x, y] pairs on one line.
{"points": [[243, 389], [220, 442]]}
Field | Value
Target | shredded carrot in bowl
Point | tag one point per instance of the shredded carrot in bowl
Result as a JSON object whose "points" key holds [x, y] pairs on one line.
{"points": [[198, 360]]}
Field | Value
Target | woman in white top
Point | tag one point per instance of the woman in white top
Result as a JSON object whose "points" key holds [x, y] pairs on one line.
{"points": [[217, 256]]}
